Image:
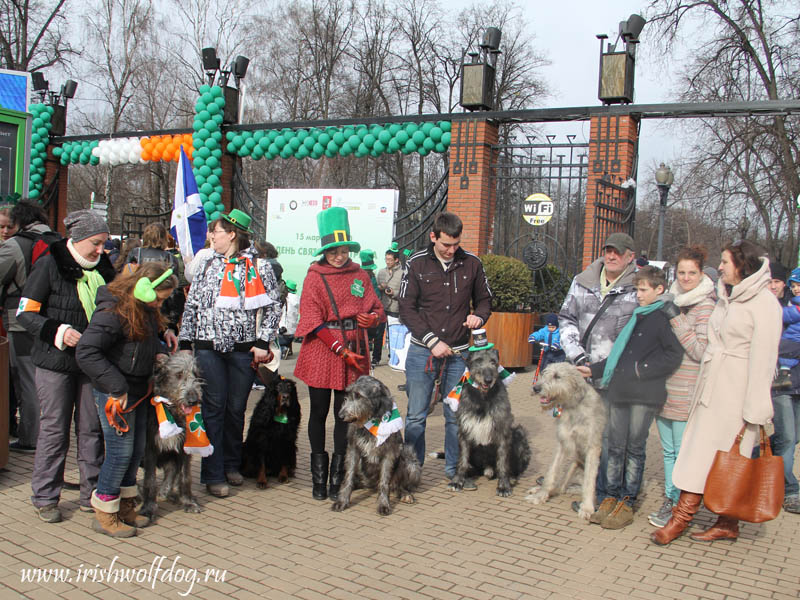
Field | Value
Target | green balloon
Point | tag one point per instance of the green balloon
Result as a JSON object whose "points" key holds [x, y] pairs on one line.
{"points": [[272, 135], [379, 147], [338, 138], [318, 149], [436, 134], [220, 101], [445, 125], [212, 144], [198, 162], [199, 179], [57, 151], [33, 194], [301, 134], [36, 178], [206, 188], [393, 146], [197, 125], [280, 142], [37, 122], [35, 138], [418, 137], [440, 147], [330, 153], [428, 144], [216, 91], [348, 131], [212, 161], [203, 152], [402, 137], [354, 140], [446, 138], [302, 152], [394, 128], [216, 153], [94, 160], [231, 148], [203, 115], [215, 215], [205, 171], [202, 135], [422, 152], [258, 153], [315, 154], [426, 128], [210, 125], [37, 162], [205, 88], [215, 197], [264, 143], [217, 136], [384, 136], [411, 128], [214, 180], [295, 143], [209, 206], [273, 149], [410, 146], [362, 149], [345, 149], [324, 138], [217, 171], [286, 152], [369, 140]]}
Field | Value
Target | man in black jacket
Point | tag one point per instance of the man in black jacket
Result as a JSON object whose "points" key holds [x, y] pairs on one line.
{"points": [[443, 295]]}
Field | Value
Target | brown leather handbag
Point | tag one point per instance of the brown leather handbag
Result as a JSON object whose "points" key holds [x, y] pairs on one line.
{"points": [[748, 489]]}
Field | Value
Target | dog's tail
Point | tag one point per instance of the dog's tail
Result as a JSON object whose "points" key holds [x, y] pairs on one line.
{"points": [[520, 451]]}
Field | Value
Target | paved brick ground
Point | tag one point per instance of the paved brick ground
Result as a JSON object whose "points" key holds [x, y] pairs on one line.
{"points": [[279, 543]]}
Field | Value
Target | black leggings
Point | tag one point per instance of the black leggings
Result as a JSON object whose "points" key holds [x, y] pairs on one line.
{"points": [[320, 405]]}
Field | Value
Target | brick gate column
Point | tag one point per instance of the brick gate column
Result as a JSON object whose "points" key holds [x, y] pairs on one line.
{"points": [[612, 158], [57, 209], [470, 191]]}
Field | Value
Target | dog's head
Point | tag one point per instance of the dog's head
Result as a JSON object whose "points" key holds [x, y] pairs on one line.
{"points": [[285, 393], [559, 383], [366, 399], [177, 379], [483, 365]]}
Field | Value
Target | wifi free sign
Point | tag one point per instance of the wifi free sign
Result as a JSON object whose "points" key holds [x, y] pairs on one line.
{"points": [[537, 209]]}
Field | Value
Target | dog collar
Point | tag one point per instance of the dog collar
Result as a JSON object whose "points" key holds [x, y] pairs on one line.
{"points": [[557, 411], [454, 396], [280, 419], [388, 424]]}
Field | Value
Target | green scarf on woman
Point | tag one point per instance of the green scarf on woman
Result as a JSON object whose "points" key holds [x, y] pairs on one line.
{"points": [[622, 340], [87, 290]]}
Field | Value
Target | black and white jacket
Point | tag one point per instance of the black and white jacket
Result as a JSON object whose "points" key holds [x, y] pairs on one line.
{"points": [[225, 329]]}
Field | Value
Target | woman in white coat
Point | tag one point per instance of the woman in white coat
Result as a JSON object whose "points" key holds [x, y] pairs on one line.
{"points": [[733, 387]]}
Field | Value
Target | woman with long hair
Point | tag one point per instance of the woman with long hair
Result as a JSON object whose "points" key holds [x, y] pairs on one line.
{"points": [[337, 306], [117, 351], [695, 298], [733, 387], [221, 321], [57, 303]]}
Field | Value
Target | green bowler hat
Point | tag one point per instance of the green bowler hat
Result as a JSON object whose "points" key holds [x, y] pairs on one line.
{"points": [[239, 219], [368, 260], [290, 285], [334, 230]]}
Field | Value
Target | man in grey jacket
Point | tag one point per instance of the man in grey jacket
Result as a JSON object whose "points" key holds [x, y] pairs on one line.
{"points": [[15, 259], [599, 303]]}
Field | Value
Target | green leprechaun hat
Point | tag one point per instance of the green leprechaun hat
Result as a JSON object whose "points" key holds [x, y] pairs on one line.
{"points": [[480, 341], [368, 260], [334, 230], [239, 219], [290, 285], [395, 247]]}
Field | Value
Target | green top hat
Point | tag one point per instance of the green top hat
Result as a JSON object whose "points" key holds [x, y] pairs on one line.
{"points": [[290, 285], [368, 260], [395, 247], [334, 230], [238, 219], [480, 340]]}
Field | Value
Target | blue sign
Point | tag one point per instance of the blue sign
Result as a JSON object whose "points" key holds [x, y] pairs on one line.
{"points": [[14, 87]]}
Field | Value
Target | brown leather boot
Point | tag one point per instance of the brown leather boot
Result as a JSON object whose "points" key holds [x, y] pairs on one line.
{"points": [[106, 518], [724, 529], [682, 513], [127, 507]]}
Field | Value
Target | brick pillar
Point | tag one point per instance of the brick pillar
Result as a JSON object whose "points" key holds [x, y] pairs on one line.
{"points": [[612, 158], [226, 180], [57, 210], [470, 192]]}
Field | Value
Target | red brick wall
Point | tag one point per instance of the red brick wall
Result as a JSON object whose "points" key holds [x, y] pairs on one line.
{"points": [[471, 193], [58, 210]]}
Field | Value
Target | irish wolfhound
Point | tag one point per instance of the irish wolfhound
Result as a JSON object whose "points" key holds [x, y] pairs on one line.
{"points": [[488, 440], [375, 459], [579, 431], [176, 379]]}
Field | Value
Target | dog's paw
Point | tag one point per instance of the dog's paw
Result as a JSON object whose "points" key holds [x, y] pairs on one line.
{"points": [[504, 491], [455, 486], [585, 511], [192, 508], [537, 497], [339, 506], [384, 509], [262, 485], [283, 479], [407, 499]]}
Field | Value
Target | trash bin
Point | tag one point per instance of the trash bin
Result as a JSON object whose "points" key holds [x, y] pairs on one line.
{"points": [[4, 375]]}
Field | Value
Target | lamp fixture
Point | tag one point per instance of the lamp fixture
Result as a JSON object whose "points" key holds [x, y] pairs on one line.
{"points": [[617, 68], [477, 75]]}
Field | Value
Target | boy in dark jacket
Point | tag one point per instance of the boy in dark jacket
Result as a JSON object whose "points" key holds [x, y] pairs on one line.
{"points": [[644, 354]]}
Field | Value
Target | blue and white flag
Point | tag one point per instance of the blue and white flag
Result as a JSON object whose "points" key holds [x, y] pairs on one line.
{"points": [[188, 225]]}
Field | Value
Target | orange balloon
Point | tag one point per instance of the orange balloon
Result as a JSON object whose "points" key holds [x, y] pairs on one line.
{"points": [[146, 154]]}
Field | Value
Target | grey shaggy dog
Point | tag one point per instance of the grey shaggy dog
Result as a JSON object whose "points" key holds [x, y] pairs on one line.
{"points": [[390, 467], [488, 440], [579, 431], [178, 380]]}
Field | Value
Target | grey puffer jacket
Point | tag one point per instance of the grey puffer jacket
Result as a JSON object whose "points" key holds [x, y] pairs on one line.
{"points": [[581, 305]]}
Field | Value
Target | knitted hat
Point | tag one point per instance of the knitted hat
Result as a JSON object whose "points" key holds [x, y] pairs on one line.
{"points": [[290, 285], [794, 276], [551, 319], [82, 224], [368, 260], [334, 230], [239, 219], [777, 270]]}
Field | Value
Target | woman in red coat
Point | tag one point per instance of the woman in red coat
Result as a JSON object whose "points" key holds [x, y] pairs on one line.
{"points": [[334, 319]]}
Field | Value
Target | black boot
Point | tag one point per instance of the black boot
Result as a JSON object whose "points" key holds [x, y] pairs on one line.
{"points": [[337, 474], [319, 475]]}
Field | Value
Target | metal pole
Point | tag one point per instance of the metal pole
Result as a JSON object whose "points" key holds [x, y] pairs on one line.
{"points": [[663, 190]]}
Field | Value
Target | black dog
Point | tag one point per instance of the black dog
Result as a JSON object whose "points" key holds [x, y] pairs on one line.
{"points": [[176, 379], [271, 445], [388, 466], [489, 442]]}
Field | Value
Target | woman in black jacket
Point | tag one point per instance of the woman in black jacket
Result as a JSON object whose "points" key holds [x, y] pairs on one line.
{"points": [[57, 303], [118, 351]]}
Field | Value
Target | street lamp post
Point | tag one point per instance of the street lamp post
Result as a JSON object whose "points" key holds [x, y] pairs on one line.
{"points": [[664, 179]]}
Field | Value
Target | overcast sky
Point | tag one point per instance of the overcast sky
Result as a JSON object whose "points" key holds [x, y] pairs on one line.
{"points": [[565, 31]]}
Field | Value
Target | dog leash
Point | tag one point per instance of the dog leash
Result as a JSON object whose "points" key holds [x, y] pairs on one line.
{"points": [[437, 383], [116, 414]]}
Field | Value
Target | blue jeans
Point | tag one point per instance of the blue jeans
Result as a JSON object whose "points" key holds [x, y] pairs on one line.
{"points": [[229, 378], [123, 452], [787, 434], [628, 427], [419, 387], [671, 434], [601, 487]]}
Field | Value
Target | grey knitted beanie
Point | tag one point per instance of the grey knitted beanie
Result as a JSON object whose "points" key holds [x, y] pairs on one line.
{"points": [[82, 224]]}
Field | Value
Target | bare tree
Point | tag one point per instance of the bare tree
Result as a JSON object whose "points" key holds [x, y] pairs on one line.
{"points": [[32, 34], [750, 167]]}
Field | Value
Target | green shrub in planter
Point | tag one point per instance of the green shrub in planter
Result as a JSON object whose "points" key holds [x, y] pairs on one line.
{"points": [[510, 281]]}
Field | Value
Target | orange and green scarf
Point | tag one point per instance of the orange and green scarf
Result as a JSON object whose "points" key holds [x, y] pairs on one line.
{"points": [[231, 288]]}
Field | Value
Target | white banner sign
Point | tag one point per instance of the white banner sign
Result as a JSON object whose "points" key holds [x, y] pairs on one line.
{"points": [[292, 224]]}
